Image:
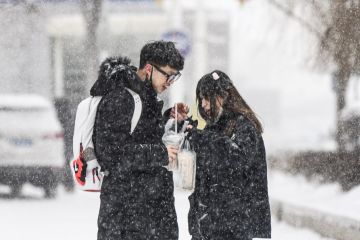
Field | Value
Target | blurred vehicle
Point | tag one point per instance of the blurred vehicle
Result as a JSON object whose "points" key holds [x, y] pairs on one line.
{"points": [[31, 143]]}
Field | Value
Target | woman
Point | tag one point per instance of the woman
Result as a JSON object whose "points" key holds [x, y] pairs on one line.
{"points": [[230, 200]]}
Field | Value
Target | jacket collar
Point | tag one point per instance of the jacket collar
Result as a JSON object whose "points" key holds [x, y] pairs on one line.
{"points": [[222, 121]]}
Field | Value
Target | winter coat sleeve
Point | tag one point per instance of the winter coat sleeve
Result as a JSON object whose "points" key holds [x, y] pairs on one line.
{"points": [[142, 156], [114, 144], [219, 144], [245, 137], [219, 165], [242, 144], [227, 159], [166, 115], [240, 151], [250, 144]]}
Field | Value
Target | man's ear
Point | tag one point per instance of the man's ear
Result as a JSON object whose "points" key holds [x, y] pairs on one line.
{"points": [[148, 68]]}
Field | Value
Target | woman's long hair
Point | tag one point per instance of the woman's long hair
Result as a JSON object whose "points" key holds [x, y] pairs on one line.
{"points": [[217, 83]]}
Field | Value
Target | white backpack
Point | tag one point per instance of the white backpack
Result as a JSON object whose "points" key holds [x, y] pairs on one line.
{"points": [[85, 168]]}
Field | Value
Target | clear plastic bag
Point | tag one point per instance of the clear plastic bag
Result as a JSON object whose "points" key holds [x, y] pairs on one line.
{"points": [[186, 166], [174, 138]]}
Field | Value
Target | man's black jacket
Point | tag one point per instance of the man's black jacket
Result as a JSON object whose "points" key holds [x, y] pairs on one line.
{"points": [[137, 199]]}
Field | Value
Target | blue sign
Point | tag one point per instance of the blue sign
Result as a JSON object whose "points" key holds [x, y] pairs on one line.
{"points": [[180, 39]]}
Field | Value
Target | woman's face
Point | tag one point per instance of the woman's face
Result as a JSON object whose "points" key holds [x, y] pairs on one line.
{"points": [[205, 104]]}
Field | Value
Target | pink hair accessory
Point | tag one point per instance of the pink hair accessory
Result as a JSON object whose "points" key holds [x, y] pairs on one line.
{"points": [[215, 76]]}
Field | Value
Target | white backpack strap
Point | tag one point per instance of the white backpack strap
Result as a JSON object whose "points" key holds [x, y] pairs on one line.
{"points": [[89, 128], [137, 110], [84, 123]]}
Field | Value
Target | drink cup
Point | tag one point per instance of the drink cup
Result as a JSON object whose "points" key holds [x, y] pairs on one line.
{"points": [[187, 168]]}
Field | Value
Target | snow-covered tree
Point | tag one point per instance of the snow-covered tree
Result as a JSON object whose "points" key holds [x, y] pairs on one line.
{"points": [[336, 24]]}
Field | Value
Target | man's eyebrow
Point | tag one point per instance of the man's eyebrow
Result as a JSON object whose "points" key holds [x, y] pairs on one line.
{"points": [[174, 72]]}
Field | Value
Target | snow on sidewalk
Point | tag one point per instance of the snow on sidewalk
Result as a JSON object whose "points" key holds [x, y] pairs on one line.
{"points": [[280, 230], [324, 208], [327, 198], [74, 216]]}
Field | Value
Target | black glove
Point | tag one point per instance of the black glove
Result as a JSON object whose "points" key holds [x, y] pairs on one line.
{"points": [[192, 122]]}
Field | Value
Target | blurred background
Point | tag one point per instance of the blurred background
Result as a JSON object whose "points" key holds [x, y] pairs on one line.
{"points": [[295, 62]]}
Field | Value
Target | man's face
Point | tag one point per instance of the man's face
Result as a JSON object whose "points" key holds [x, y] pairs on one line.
{"points": [[162, 77]]}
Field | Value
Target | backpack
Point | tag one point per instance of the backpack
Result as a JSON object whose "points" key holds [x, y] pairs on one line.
{"points": [[86, 170]]}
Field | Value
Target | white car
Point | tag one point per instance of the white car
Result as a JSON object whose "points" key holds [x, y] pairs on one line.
{"points": [[31, 143]]}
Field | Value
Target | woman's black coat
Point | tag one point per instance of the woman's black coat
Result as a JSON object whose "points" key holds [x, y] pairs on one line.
{"points": [[137, 200], [230, 200]]}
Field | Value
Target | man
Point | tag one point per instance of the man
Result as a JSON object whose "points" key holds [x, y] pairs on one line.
{"points": [[137, 195]]}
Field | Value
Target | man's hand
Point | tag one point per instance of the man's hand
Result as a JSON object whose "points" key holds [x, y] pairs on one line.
{"points": [[172, 152], [182, 111]]}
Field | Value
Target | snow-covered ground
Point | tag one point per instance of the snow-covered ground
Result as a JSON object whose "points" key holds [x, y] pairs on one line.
{"points": [[74, 215], [325, 198]]}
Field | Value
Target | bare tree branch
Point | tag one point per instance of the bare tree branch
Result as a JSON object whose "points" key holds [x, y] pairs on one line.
{"points": [[339, 44], [323, 17], [291, 14]]}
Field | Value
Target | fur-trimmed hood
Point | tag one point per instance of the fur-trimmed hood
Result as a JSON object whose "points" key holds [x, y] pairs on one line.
{"points": [[116, 72]]}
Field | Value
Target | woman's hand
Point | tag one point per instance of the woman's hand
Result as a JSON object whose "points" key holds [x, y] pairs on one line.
{"points": [[182, 111]]}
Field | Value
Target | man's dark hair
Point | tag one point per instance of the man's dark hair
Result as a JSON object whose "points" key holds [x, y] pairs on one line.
{"points": [[161, 53]]}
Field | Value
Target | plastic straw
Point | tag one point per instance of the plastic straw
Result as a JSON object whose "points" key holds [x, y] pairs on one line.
{"points": [[175, 117]]}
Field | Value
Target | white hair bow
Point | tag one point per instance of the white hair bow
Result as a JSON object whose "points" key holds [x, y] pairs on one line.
{"points": [[215, 76]]}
